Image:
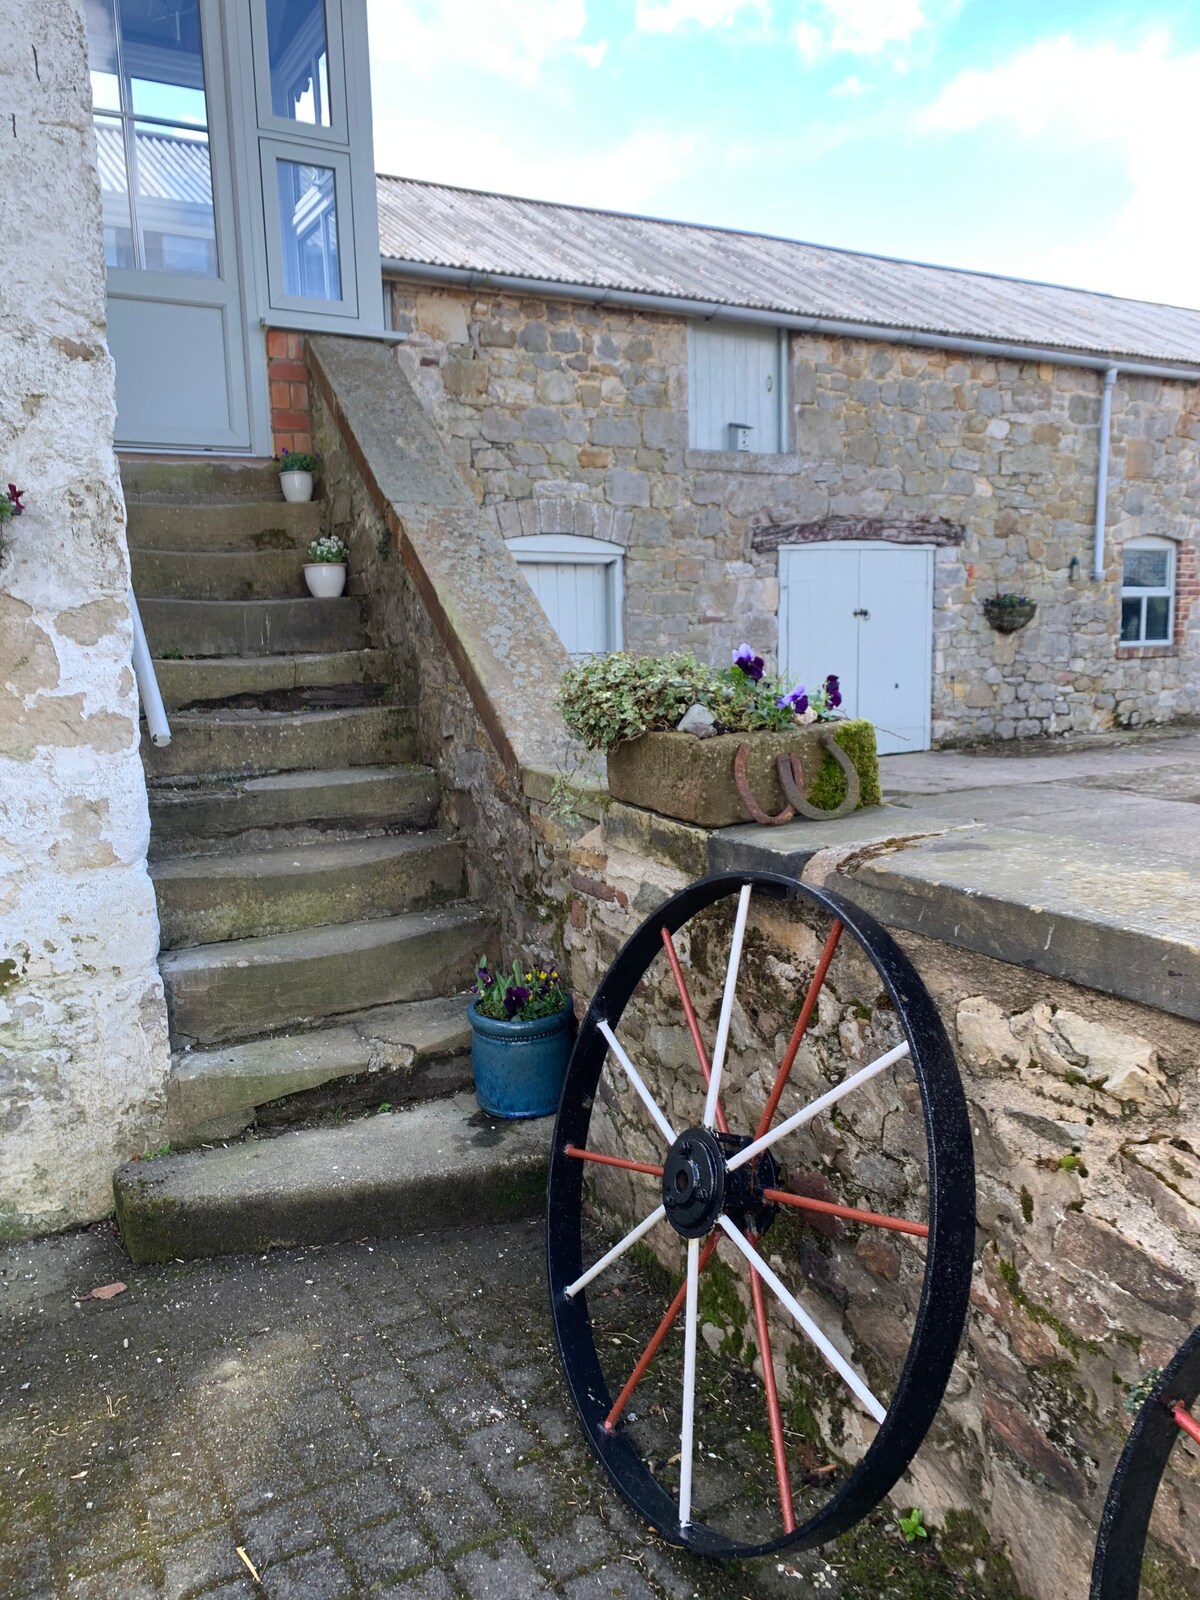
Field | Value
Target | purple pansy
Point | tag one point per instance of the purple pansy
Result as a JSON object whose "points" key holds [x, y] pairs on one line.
{"points": [[14, 495], [515, 997], [797, 701], [833, 692], [753, 666]]}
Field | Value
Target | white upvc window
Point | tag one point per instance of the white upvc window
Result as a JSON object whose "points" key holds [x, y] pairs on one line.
{"points": [[580, 585], [737, 387], [1148, 591]]}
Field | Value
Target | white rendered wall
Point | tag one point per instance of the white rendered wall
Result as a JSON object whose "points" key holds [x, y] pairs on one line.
{"points": [[83, 1028]]}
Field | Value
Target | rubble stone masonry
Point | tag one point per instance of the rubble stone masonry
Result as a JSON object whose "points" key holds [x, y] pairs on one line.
{"points": [[83, 1029], [569, 418]]}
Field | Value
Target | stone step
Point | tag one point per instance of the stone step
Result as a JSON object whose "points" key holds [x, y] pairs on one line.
{"points": [[208, 899], [255, 813], [252, 743], [199, 682], [252, 627], [188, 478], [218, 993], [218, 574], [443, 1164], [247, 525], [394, 1054]]}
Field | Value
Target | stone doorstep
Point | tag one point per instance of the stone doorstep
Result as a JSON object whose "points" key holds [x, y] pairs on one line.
{"points": [[215, 1093], [253, 627], [256, 743], [244, 894], [182, 480], [207, 679], [287, 807], [441, 1164], [1062, 906], [218, 575], [234, 991], [245, 525]]}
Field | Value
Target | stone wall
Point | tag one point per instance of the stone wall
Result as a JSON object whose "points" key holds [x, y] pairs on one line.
{"points": [[568, 418], [496, 789], [1083, 1111], [83, 1028]]}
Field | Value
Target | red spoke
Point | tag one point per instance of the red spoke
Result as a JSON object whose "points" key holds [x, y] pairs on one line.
{"points": [[774, 1419], [656, 1341], [690, 1013], [801, 1028], [1185, 1419], [612, 1161], [784, 1197]]}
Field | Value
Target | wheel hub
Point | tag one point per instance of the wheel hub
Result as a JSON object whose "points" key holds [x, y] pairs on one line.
{"points": [[697, 1186]]}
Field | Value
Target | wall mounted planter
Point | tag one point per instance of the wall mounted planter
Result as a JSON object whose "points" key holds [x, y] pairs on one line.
{"points": [[520, 1066], [1008, 616]]}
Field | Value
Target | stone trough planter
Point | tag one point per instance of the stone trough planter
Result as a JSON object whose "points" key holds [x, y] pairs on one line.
{"points": [[693, 779]]}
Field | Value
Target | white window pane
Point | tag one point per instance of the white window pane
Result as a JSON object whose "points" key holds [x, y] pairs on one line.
{"points": [[1147, 569], [298, 50], [174, 201], [308, 224], [162, 59]]}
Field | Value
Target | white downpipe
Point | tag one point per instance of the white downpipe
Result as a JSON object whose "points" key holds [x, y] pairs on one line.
{"points": [[677, 305], [1110, 378], [147, 682]]}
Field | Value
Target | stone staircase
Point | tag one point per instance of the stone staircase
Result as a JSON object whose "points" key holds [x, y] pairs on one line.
{"points": [[316, 938]]}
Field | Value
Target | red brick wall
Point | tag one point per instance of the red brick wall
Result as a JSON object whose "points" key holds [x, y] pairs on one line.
{"points": [[287, 374], [1187, 587]]}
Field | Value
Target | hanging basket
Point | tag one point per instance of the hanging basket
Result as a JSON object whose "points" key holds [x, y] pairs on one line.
{"points": [[1007, 614]]}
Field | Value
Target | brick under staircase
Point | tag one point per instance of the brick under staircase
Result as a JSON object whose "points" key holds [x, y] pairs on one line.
{"points": [[316, 938]]}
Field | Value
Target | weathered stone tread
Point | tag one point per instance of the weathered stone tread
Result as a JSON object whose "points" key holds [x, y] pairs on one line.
{"points": [[442, 1164], [209, 679], [253, 627], [249, 742]]}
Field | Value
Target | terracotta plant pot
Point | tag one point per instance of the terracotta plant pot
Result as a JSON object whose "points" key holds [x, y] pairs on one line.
{"points": [[297, 487], [325, 579], [692, 779]]}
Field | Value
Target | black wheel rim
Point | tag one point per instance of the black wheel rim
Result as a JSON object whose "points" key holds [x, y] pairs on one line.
{"points": [[951, 1224], [1117, 1569]]}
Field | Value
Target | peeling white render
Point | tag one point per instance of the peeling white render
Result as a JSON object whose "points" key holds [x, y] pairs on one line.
{"points": [[83, 1027]]}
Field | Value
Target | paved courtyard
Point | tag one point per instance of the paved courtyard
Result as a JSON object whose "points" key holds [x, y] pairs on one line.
{"points": [[377, 1419]]}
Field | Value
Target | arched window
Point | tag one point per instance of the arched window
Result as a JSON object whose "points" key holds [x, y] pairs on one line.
{"points": [[580, 586], [1148, 592]]}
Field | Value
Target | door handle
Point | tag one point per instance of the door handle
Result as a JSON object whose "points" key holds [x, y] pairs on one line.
{"points": [[863, 613]]}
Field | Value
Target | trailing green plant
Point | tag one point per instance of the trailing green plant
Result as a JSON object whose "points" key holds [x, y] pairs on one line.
{"points": [[913, 1525], [606, 700], [298, 461], [328, 548], [517, 996]]}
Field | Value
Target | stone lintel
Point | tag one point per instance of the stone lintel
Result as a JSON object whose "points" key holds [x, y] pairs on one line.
{"points": [[914, 530]]}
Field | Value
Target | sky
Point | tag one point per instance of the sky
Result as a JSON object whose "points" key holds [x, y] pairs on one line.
{"points": [[1046, 139]]}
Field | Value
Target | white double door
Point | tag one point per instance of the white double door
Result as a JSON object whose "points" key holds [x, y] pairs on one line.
{"points": [[864, 611]]}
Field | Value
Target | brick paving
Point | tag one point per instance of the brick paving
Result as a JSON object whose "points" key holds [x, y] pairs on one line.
{"points": [[380, 1420]]}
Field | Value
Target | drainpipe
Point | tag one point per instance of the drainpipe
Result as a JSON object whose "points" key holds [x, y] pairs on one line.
{"points": [[147, 682], [1110, 378]]}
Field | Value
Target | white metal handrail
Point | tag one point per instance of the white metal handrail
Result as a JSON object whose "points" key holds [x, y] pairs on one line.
{"points": [[147, 681]]}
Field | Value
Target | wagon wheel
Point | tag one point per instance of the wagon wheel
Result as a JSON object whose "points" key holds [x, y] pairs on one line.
{"points": [[1165, 1415], [727, 1189]]}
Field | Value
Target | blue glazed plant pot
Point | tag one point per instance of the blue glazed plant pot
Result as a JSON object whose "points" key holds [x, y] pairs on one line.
{"points": [[519, 1066]]}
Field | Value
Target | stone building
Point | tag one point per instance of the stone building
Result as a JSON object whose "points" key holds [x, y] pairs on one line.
{"points": [[836, 457]]}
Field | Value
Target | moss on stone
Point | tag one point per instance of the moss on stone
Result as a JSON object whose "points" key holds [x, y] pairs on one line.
{"points": [[857, 739]]}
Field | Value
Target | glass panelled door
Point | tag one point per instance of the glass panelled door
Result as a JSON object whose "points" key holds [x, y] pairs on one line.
{"points": [[175, 323]]}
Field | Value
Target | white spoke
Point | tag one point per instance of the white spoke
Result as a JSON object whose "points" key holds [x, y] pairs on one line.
{"points": [[815, 1107], [635, 1078], [731, 975], [691, 1318], [834, 1358], [617, 1250]]}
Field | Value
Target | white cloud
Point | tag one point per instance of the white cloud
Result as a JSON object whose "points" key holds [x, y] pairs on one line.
{"points": [[514, 38], [1136, 101], [667, 16], [863, 27], [622, 177], [850, 87]]}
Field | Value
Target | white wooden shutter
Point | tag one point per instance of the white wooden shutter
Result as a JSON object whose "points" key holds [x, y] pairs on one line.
{"points": [[735, 376]]}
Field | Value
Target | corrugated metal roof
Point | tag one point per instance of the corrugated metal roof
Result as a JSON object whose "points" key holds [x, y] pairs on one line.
{"points": [[171, 166], [434, 224]]}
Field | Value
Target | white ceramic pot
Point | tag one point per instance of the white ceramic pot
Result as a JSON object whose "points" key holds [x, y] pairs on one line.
{"points": [[325, 579], [297, 486]]}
